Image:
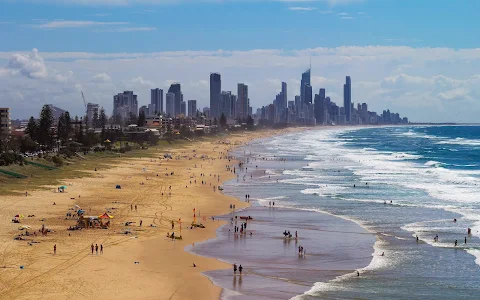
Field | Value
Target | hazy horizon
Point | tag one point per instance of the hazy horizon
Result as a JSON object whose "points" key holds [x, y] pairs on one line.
{"points": [[418, 59]]}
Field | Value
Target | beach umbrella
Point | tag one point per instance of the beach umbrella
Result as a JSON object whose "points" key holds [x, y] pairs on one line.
{"points": [[63, 187]]}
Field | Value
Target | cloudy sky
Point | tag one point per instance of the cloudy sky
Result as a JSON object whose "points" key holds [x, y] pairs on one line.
{"points": [[418, 58]]}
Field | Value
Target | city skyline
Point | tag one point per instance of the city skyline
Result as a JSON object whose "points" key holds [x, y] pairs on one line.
{"points": [[410, 71]]}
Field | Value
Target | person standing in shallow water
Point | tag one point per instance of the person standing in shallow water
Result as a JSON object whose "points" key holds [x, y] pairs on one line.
{"points": [[234, 269]]}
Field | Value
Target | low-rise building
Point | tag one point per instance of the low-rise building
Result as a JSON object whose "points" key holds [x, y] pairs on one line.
{"points": [[5, 122]]}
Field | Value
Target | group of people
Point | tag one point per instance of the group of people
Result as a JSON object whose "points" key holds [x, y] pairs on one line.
{"points": [[240, 269], [95, 248], [287, 234]]}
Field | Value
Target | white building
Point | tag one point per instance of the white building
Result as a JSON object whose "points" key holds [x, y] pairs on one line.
{"points": [[92, 108]]}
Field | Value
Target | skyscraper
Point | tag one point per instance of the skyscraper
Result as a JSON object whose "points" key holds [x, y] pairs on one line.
{"points": [[183, 108], [242, 101], [176, 89], [170, 104], [347, 99], [306, 88], [125, 104], [192, 108], [225, 106], [156, 99], [284, 94], [215, 91]]}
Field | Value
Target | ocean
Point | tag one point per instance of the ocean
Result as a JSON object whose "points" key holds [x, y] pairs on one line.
{"points": [[397, 183]]}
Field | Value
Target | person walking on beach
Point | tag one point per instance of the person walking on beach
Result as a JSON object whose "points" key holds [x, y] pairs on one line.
{"points": [[135, 207], [240, 268], [234, 269], [92, 247], [96, 249], [55, 249], [131, 207], [141, 222], [101, 249]]}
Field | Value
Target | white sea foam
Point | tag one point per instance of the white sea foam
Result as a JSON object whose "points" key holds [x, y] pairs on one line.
{"points": [[460, 141], [476, 253]]}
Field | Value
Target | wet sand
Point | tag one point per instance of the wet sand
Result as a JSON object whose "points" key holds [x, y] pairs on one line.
{"points": [[273, 269]]}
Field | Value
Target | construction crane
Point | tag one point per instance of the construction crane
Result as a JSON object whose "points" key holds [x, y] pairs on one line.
{"points": [[85, 103]]}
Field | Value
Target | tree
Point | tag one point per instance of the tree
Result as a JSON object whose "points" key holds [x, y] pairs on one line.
{"points": [[95, 121], [117, 120], [32, 129], [79, 137], [62, 129], [132, 119], [102, 118], [68, 121], [250, 122], [103, 122], [45, 134], [223, 120], [141, 119]]}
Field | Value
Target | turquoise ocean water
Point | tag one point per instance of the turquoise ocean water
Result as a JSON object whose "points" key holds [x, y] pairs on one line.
{"points": [[409, 181]]}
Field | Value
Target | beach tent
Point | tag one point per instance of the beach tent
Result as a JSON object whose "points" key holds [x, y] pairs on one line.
{"points": [[105, 216]]}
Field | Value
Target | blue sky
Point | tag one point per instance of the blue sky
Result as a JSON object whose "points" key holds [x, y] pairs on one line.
{"points": [[235, 25], [420, 58]]}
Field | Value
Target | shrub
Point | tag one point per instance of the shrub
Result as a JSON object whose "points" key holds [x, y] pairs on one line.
{"points": [[57, 160]]}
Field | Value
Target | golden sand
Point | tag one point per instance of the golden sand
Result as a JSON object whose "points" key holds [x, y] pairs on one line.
{"points": [[143, 264]]}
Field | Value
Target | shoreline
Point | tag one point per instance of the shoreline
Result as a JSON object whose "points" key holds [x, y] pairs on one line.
{"points": [[73, 272], [220, 245]]}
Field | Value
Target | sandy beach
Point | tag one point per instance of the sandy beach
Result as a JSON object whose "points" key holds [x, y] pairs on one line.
{"points": [[138, 262]]}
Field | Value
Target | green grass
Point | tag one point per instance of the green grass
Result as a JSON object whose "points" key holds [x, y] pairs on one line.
{"points": [[75, 167]]}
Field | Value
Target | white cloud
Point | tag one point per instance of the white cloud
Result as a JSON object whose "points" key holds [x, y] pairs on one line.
{"points": [[29, 65], [426, 84], [129, 29], [300, 8], [101, 14], [102, 77], [347, 18], [140, 81], [75, 24], [343, 14]]}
